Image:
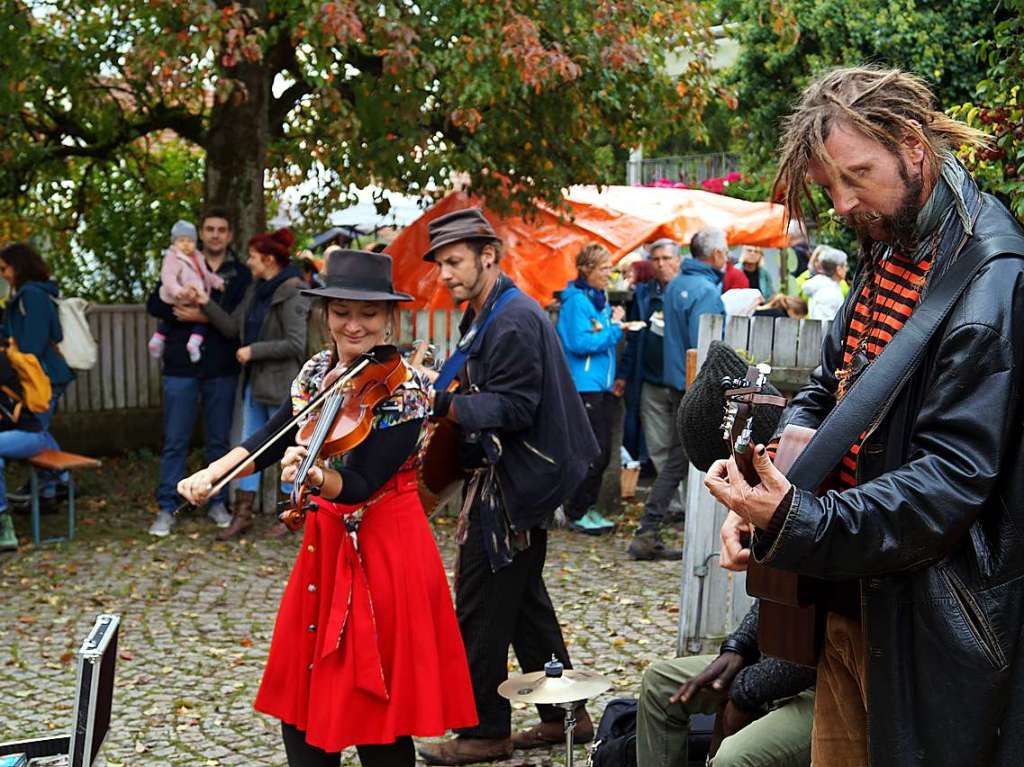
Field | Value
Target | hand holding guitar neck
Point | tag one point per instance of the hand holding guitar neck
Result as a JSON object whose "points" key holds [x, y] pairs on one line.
{"points": [[747, 483], [423, 359]]}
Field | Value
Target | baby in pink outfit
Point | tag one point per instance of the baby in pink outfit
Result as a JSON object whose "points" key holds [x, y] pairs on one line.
{"points": [[184, 278]]}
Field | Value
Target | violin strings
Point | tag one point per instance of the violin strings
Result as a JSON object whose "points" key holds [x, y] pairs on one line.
{"points": [[347, 376]]}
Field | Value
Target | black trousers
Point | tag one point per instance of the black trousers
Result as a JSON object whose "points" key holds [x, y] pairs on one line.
{"points": [[600, 407], [401, 753], [495, 610]]}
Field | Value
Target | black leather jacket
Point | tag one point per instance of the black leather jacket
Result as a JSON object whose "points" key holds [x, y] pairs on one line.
{"points": [[934, 531]]}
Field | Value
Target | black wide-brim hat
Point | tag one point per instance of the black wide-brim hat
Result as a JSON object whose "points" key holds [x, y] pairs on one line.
{"points": [[358, 275], [699, 418], [458, 226]]}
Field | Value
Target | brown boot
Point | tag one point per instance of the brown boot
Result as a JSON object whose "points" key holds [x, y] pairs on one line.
{"points": [[546, 734], [466, 751], [241, 517]]}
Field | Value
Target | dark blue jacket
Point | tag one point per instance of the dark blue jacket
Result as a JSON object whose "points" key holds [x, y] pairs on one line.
{"points": [[32, 321], [218, 358], [631, 366], [695, 292], [527, 398]]}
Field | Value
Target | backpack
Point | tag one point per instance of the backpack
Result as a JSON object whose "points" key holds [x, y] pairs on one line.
{"points": [[615, 739], [78, 346], [36, 391]]}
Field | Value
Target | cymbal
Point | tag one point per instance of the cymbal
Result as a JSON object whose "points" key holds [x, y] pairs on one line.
{"points": [[538, 687]]}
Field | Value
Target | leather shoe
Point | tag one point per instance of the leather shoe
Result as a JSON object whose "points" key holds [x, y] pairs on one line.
{"points": [[548, 734], [465, 750]]}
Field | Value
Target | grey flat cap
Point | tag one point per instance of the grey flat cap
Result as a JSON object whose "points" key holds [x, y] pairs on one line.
{"points": [[460, 225]]}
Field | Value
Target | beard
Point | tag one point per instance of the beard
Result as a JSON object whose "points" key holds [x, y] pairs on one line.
{"points": [[900, 226]]}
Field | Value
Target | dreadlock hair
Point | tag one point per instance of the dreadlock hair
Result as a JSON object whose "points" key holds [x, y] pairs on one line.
{"points": [[883, 104]]}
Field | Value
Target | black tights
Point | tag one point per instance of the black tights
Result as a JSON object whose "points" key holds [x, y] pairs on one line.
{"points": [[300, 754]]}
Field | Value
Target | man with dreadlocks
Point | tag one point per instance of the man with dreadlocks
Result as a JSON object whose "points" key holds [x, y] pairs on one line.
{"points": [[921, 662]]}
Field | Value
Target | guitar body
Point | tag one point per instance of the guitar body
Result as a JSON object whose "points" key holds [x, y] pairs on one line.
{"points": [[440, 473], [790, 623]]}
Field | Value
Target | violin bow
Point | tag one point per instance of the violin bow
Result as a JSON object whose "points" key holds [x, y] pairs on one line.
{"points": [[234, 472]]}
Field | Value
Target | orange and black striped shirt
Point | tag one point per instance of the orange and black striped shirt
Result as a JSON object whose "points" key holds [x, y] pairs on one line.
{"points": [[898, 283]]}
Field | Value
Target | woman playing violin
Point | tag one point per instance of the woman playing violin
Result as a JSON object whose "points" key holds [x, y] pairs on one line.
{"points": [[366, 649]]}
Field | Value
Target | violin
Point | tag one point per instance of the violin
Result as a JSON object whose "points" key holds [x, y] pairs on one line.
{"points": [[344, 420]]}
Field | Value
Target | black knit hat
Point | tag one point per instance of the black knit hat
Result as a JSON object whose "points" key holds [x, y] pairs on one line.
{"points": [[699, 418]]}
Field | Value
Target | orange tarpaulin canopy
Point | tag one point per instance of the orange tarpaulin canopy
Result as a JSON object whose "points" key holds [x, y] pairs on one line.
{"points": [[540, 254]]}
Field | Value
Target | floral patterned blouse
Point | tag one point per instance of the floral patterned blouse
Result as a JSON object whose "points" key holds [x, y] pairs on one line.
{"points": [[411, 402]]}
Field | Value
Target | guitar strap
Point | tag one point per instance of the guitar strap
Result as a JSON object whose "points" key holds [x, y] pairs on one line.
{"points": [[474, 335], [883, 379]]}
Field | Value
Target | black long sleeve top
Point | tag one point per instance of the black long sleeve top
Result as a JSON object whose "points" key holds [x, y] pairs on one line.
{"points": [[367, 467]]}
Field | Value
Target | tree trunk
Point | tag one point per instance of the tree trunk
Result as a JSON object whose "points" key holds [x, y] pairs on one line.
{"points": [[236, 152]]}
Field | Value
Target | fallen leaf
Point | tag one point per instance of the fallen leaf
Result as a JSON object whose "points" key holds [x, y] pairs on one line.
{"points": [[67, 657], [246, 642]]}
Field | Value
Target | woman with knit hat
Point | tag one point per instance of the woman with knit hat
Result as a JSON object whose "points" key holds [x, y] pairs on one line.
{"points": [[270, 324]]}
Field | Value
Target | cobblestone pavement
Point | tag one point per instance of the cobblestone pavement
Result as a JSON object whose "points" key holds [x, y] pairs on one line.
{"points": [[197, 618]]}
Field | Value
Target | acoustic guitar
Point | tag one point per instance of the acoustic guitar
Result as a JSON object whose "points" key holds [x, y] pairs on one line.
{"points": [[790, 622], [440, 474]]}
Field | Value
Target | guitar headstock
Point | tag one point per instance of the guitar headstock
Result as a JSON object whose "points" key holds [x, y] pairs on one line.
{"points": [[741, 394], [423, 354]]}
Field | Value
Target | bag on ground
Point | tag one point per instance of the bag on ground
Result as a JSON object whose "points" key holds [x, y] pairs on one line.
{"points": [[615, 739]]}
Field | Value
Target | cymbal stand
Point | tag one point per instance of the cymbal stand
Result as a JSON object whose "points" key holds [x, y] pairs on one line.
{"points": [[570, 727]]}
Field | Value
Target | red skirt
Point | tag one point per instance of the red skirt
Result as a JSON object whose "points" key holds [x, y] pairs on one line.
{"points": [[366, 647]]}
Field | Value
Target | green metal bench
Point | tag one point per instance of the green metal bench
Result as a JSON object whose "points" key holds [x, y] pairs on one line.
{"points": [[56, 460]]}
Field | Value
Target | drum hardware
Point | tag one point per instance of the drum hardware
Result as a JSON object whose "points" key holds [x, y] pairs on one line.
{"points": [[567, 689]]}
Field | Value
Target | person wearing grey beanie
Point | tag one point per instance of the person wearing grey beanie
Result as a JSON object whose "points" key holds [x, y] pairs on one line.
{"points": [[184, 279]]}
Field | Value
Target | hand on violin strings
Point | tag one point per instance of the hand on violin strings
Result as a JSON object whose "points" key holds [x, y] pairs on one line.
{"points": [[293, 457], [725, 482], [196, 488], [331, 376]]}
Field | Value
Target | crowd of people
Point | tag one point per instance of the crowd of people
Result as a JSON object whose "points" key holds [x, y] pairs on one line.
{"points": [[659, 322], [918, 437]]}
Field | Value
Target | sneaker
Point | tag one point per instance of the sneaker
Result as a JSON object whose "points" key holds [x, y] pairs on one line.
{"points": [[46, 506], [23, 495], [8, 538], [592, 523], [598, 519], [220, 515], [648, 547], [162, 525]]}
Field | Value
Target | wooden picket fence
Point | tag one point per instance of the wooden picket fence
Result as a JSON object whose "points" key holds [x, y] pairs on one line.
{"points": [[713, 601], [126, 377]]}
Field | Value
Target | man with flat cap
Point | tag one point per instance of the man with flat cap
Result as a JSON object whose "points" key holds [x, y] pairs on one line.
{"points": [[526, 440]]}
